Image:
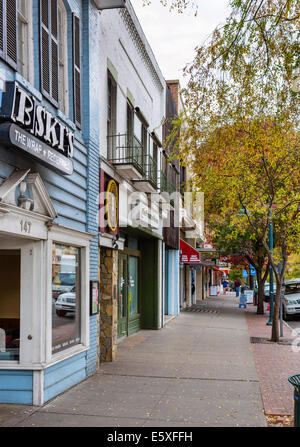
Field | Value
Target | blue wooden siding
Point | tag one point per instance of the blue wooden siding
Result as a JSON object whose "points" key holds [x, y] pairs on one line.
{"points": [[74, 197], [90, 72], [63, 375], [16, 387]]}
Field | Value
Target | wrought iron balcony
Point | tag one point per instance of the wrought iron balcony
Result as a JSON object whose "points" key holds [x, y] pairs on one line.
{"points": [[166, 185], [126, 152], [149, 182]]}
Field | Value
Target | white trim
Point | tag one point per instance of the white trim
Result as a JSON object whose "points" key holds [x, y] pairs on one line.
{"points": [[36, 277], [38, 388]]}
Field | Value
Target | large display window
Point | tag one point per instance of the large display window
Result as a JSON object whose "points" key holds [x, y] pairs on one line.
{"points": [[66, 297]]}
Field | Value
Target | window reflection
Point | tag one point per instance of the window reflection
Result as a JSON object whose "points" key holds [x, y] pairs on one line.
{"points": [[65, 297]]}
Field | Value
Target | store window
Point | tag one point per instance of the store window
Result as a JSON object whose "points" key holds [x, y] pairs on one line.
{"points": [[10, 261], [66, 300]]}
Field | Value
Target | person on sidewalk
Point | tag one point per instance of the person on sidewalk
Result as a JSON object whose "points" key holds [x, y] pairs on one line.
{"points": [[237, 285], [225, 285]]}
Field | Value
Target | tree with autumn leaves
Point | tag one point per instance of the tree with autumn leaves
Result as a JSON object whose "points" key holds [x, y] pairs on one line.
{"points": [[240, 135]]}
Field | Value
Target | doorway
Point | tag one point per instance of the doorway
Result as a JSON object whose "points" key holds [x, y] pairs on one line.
{"points": [[10, 268], [128, 295]]}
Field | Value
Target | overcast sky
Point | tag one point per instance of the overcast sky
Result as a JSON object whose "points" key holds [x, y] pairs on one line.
{"points": [[173, 37]]}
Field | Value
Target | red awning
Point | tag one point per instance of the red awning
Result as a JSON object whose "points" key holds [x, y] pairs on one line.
{"points": [[188, 254]]}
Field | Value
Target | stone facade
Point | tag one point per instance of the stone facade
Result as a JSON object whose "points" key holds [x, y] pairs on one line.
{"points": [[108, 304]]}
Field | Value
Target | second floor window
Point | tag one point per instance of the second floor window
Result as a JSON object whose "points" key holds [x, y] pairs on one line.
{"points": [[24, 39], [49, 49], [111, 105], [55, 55], [130, 122], [63, 58]]}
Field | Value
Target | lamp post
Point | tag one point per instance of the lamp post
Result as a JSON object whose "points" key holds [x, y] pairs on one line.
{"points": [[269, 323]]}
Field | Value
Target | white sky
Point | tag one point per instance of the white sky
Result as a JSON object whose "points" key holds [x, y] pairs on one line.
{"points": [[173, 37]]}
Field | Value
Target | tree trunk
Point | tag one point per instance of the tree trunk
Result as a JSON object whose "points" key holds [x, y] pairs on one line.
{"points": [[260, 293]]}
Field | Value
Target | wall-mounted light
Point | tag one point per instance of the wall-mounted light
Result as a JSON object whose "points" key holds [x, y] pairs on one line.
{"points": [[115, 243], [110, 4]]}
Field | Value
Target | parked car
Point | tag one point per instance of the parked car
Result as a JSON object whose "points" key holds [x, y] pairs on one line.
{"points": [[291, 301], [66, 302]]}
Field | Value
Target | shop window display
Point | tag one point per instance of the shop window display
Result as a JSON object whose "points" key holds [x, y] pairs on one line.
{"points": [[65, 297]]}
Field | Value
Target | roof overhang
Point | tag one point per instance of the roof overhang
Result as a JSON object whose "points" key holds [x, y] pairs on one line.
{"points": [[110, 4]]}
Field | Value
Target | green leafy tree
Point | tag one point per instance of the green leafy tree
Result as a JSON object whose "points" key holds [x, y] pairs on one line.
{"points": [[241, 129]]}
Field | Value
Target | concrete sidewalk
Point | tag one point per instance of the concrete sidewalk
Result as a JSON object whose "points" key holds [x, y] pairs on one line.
{"points": [[197, 371]]}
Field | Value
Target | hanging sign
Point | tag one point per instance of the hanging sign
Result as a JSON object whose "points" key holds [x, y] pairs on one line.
{"points": [[112, 205], [245, 273], [35, 129]]}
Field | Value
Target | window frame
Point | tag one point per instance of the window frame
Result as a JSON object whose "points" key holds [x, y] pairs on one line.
{"points": [[28, 73], [62, 40], [51, 36], [64, 237]]}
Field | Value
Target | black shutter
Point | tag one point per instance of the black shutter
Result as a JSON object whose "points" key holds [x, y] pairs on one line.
{"points": [[11, 32], [49, 49], [8, 31], [76, 70]]}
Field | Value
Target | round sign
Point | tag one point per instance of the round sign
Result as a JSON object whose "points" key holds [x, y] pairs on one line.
{"points": [[112, 205]]}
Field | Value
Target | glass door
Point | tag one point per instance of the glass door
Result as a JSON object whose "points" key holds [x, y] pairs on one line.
{"points": [[122, 296], [133, 295], [10, 272]]}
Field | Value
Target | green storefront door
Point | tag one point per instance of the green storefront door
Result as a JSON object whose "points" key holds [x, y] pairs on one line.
{"points": [[122, 297], [129, 318]]}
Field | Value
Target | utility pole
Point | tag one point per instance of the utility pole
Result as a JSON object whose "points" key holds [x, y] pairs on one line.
{"points": [[269, 323]]}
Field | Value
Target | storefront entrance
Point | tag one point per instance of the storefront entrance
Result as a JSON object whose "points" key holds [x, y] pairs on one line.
{"points": [[128, 295], [10, 266]]}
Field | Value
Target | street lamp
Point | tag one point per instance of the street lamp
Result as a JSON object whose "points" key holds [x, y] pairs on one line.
{"points": [[269, 323]]}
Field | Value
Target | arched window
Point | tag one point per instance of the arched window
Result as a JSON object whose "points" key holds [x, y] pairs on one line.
{"points": [[63, 58]]}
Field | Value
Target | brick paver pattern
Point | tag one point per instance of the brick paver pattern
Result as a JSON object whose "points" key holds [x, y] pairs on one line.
{"points": [[274, 364]]}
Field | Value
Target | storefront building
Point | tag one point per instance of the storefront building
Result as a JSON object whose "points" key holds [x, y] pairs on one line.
{"points": [[48, 229], [132, 107], [170, 190]]}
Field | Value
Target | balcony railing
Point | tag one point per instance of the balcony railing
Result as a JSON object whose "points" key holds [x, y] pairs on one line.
{"points": [[150, 169], [124, 149], [166, 185]]}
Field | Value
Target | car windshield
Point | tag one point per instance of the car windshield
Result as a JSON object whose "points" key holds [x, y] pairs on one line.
{"points": [[292, 288]]}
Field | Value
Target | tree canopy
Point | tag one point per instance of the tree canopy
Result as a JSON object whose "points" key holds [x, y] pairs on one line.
{"points": [[240, 135]]}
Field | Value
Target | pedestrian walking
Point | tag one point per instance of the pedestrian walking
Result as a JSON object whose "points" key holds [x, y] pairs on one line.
{"points": [[237, 284], [225, 286]]}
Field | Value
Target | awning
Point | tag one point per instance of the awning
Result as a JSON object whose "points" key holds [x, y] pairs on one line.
{"points": [[188, 254]]}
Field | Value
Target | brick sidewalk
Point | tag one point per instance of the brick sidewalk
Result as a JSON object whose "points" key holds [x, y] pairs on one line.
{"points": [[274, 364]]}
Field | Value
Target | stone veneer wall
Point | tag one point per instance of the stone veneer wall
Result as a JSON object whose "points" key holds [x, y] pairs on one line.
{"points": [[108, 304]]}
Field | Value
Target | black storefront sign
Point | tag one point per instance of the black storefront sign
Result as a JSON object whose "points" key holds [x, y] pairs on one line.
{"points": [[35, 130]]}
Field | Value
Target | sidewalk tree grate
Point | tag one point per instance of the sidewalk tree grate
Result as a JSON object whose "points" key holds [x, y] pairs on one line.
{"points": [[202, 310], [268, 341]]}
